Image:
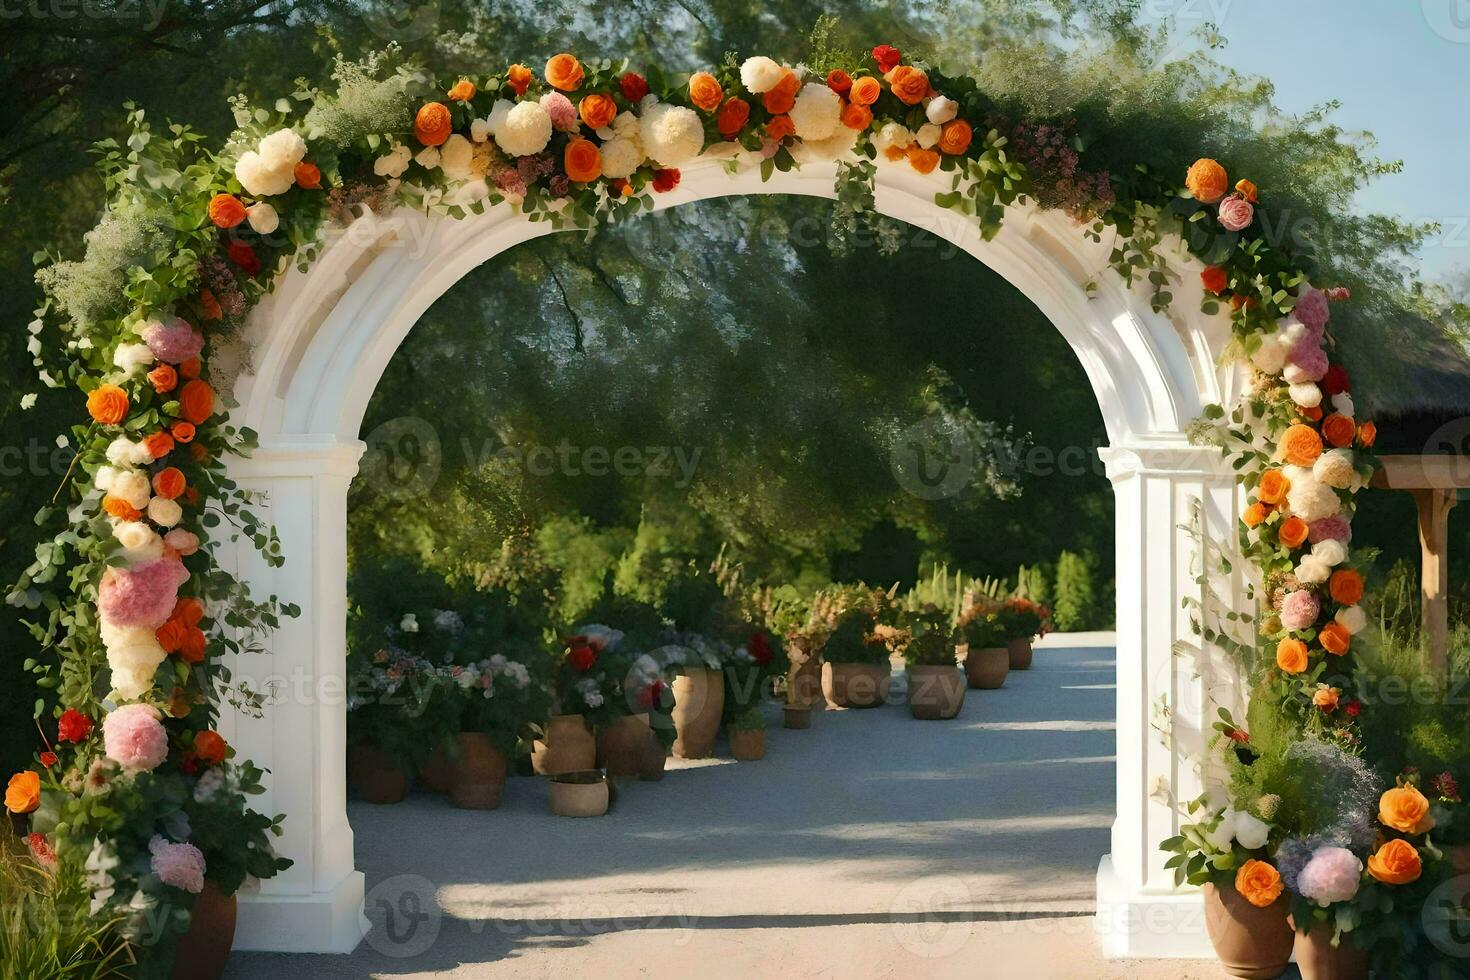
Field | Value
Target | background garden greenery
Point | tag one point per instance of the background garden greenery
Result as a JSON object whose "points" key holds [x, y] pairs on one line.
{"points": [[793, 355]]}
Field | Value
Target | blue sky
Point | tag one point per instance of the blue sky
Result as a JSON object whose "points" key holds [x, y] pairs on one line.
{"points": [[1400, 68]]}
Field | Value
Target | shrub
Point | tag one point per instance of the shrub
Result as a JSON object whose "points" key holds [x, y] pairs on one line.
{"points": [[1077, 606]]}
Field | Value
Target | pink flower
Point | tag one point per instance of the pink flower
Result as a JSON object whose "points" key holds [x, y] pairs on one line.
{"points": [[1311, 309], [1299, 610], [141, 596], [563, 114], [1332, 875], [1306, 362], [1336, 528], [184, 542], [133, 737], [1236, 213], [178, 865], [41, 850], [172, 341]]}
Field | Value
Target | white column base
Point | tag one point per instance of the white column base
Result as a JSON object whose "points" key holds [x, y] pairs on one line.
{"points": [[1168, 926], [321, 922]]}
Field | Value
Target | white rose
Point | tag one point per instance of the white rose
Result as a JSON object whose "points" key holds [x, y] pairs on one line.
{"points": [[840, 144], [892, 134], [1342, 402], [1224, 833], [129, 357], [165, 512], [123, 451], [1313, 570], [1332, 551], [1335, 468], [816, 112], [283, 150], [133, 655], [139, 541], [1310, 499], [479, 130], [131, 487], [1270, 358], [525, 131], [456, 156], [1251, 832], [941, 110], [760, 74], [672, 134], [393, 163], [621, 157], [497, 115], [263, 218], [409, 623], [1306, 394], [927, 136], [470, 192], [1353, 619]]}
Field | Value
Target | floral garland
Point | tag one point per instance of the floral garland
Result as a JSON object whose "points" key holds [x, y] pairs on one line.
{"points": [[133, 603]]}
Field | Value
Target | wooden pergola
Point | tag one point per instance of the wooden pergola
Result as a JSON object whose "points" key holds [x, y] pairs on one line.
{"points": [[1435, 483]]}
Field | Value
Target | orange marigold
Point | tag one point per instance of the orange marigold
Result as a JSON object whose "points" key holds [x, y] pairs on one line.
{"points": [[780, 127], [1273, 487], [855, 116], [107, 404], [159, 444], [1396, 863], [865, 90], [163, 378], [782, 97], [1291, 656], [432, 125], [120, 509], [462, 91], [732, 117], [582, 161], [1259, 883], [518, 77], [1255, 515], [169, 483], [1301, 445], [922, 160], [226, 210], [1207, 181], [1293, 532]]}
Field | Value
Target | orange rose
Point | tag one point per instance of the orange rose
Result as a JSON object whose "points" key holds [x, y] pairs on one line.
{"points": [[732, 117], [1367, 434], [1396, 863], [171, 635], [780, 127], [192, 649], [23, 793], [1214, 279], [922, 160], [432, 124], [1326, 697], [1339, 430], [564, 72], [190, 368], [209, 306], [1207, 181], [955, 138], [1259, 883], [865, 90], [1291, 656], [182, 432], [210, 748], [107, 404], [463, 91], [226, 210], [858, 117], [782, 97], [705, 91], [1273, 487], [1255, 515], [120, 509], [158, 444], [163, 378], [169, 483], [196, 401], [597, 110], [308, 175], [1301, 445], [189, 610], [582, 160], [1313, 414], [910, 84], [518, 77], [1247, 190], [1293, 532], [1405, 809], [1335, 639], [1346, 587]]}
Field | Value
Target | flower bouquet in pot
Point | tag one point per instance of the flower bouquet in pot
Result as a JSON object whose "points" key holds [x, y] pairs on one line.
{"points": [[856, 669], [585, 692], [936, 687], [496, 701], [399, 709], [982, 635], [1023, 621], [747, 733], [697, 664]]}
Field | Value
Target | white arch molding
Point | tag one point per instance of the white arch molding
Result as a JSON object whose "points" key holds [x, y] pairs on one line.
{"points": [[319, 344]]}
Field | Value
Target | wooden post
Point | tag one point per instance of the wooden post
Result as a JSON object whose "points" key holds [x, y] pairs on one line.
{"points": [[1434, 516]]}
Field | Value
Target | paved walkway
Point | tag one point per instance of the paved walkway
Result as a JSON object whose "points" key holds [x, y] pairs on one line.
{"points": [[871, 845]]}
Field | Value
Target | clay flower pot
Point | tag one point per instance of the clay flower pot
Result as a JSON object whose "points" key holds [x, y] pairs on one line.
{"points": [[579, 794], [477, 777], [568, 747], [1318, 960], [936, 692], [620, 746], [1020, 651], [856, 685], [806, 683], [375, 777], [1252, 943], [748, 745], [699, 700], [797, 716], [435, 774], [203, 949], [652, 758], [986, 668]]}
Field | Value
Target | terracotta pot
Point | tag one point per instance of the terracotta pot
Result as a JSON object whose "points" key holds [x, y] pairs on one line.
{"points": [[477, 778], [652, 758], [435, 774], [1317, 959], [748, 745], [699, 700], [936, 692], [806, 682], [204, 948], [1252, 943], [986, 669], [579, 794], [856, 685], [1020, 651], [568, 747], [375, 777], [620, 746], [797, 717]]}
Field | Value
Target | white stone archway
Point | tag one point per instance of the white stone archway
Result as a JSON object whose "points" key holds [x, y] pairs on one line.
{"points": [[320, 343]]}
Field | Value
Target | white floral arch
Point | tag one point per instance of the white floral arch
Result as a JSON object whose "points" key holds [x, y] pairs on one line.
{"points": [[318, 346]]}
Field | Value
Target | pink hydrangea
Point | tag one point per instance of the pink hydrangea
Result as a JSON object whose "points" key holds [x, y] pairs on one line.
{"points": [[1236, 213], [172, 341], [1336, 528], [1331, 876], [179, 865], [184, 542], [1299, 610], [143, 595], [1311, 309], [1306, 362], [133, 737], [563, 114]]}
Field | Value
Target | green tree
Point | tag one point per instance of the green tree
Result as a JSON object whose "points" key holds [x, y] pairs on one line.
{"points": [[1077, 606]]}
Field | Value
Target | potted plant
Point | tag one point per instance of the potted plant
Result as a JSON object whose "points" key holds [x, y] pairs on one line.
{"points": [[496, 700], [698, 689], [856, 671], [747, 732], [626, 729], [936, 688], [982, 638], [584, 682], [1023, 620], [396, 716]]}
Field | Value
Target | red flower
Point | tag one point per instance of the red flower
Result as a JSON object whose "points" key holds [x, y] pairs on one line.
{"points": [[48, 759], [759, 648], [1445, 785], [582, 658], [887, 57], [839, 81], [1335, 381], [633, 86], [41, 850], [652, 694], [1237, 735], [73, 726], [666, 179], [244, 256], [1353, 708], [1214, 279]]}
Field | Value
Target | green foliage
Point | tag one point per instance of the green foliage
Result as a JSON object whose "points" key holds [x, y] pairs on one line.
{"points": [[44, 931], [927, 638], [1034, 583], [1078, 605], [748, 720]]}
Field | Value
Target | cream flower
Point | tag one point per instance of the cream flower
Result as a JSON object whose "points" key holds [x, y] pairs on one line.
{"points": [[129, 486], [1306, 394], [139, 541], [927, 135], [1313, 570], [1332, 551], [816, 112], [272, 168], [525, 131], [1342, 403], [1353, 619], [393, 163], [760, 74], [1270, 357], [456, 157], [282, 150], [479, 130], [840, 144], [1335, 469], [892, 134], [428, 158], [129, 357], [1309, 498], [621, 157], [165, 512], [672, 134], [124, 452], [263, 218], [134, 655], [941, 110]]}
